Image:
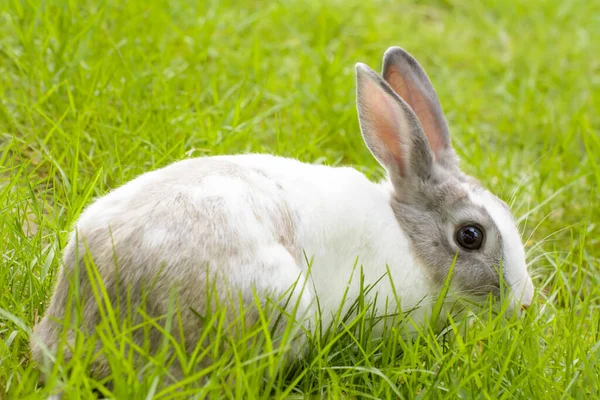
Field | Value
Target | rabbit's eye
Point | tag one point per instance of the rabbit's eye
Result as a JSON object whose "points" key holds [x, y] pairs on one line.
{"points": [[469, 237]]}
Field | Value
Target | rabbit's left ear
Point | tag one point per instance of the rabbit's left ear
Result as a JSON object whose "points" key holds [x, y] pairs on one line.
{"points": [[408, 79], [391, 131]]}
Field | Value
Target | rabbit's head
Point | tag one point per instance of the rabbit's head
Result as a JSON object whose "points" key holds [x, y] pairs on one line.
{"points": [[446, 214]]}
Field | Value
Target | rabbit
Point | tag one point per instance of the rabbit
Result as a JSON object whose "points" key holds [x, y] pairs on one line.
{"points": [[262, 224]]}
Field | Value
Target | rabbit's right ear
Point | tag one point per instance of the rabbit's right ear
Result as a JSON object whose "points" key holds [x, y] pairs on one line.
{"points": [[409, 80], [391, 129]]}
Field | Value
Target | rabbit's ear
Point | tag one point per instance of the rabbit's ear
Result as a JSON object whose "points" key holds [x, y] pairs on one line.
{"points": [[408, 79], [391, 129]]}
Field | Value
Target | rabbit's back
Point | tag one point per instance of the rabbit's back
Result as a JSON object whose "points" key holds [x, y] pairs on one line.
{"points": [[195, 224], [205, 209]]}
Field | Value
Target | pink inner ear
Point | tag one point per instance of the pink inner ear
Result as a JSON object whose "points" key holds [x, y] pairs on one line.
{"points": [[421, 105], [385, 122]]}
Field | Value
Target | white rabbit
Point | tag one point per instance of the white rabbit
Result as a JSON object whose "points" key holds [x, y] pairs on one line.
{"points": [[254, 220]]}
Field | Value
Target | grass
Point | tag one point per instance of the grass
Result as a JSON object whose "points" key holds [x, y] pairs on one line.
{"points": [[94, 92]]}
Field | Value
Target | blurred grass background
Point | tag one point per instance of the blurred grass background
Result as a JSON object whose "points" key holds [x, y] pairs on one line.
{"points": [[93, 93]]}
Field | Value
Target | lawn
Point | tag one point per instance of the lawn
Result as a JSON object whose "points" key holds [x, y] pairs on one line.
{"points": [[95, 92]]}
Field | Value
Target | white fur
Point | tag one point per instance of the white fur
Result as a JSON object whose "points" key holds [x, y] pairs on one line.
{"points": [[330, 233], [514, 266], [333, 232]]}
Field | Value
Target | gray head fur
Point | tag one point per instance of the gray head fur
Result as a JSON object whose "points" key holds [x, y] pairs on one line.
{"points": [[403, 125]]}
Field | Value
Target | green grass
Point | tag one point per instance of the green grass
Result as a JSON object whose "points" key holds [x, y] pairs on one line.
{"points": [[94, 92]]}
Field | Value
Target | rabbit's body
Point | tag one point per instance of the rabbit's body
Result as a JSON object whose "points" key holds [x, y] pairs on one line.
{"points": [[266, 226], [255, 221], [333, 234]]}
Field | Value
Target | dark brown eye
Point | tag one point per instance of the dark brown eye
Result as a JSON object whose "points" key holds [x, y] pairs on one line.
{"points": [[469, 237]]}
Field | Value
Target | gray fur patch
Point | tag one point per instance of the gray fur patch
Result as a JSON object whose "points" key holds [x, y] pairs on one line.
{"points": [[430, 218], [172, 238]]}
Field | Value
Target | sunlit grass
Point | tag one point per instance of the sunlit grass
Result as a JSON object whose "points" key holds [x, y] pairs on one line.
{"points": [[93, 93]]}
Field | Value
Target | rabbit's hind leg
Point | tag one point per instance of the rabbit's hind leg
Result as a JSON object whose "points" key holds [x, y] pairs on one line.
{"points": [[285, 294]]}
